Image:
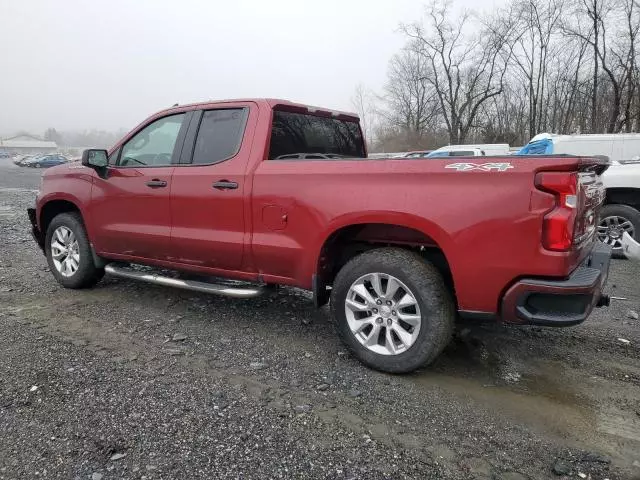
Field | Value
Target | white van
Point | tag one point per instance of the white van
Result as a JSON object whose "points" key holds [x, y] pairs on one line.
{"points": [[616, 146], [476, 150], [622, 205]]}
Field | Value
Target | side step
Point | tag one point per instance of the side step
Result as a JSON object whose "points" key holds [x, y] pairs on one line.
{"points": [[185, 284]]}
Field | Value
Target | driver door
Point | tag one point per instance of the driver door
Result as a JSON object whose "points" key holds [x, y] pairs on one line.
{"points": [[131, 207]]}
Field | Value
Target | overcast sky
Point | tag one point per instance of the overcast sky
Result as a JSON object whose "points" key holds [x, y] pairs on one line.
{"points": [[107, 64]]}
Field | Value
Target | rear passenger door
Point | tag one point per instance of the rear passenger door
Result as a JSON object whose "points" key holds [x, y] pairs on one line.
{"points": [[208, 204]]}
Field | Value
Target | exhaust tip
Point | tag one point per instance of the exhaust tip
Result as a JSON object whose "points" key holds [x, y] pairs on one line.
{"points": [[604, 301]]}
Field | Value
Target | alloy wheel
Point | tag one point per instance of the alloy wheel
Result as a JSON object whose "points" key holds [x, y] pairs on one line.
{"points": [[65, 251], [383, 314], [612, 228]]}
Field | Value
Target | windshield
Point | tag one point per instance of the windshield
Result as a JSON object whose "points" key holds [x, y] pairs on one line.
{"points": [[307, 136]]}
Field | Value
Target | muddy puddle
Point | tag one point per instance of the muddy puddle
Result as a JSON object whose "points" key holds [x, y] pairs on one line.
{"points": [[547, 396]]}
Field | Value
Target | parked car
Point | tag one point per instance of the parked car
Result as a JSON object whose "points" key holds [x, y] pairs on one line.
{"points": [[45, 161], [386, 155], [23, 159], [462, 152], [617, 147], [417, 154], [621, 212], [401, 249], [475, 150], [5, 154]]}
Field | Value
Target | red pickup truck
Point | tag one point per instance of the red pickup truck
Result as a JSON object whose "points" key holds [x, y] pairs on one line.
{"points": [[276, 193]]}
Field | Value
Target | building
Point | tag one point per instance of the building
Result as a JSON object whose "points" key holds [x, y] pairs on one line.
{"points": [[27, 144]]}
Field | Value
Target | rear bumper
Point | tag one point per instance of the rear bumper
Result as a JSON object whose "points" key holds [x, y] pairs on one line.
{"points": [[35, 231], [560, 303]]}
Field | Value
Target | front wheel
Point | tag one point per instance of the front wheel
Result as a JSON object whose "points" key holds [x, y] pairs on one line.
{"points": [[69, 252], [392, 309]]}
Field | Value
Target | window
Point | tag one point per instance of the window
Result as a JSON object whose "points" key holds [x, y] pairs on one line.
{"points": [[219, 136], [296, 135], [461, 153], [153, 145]]}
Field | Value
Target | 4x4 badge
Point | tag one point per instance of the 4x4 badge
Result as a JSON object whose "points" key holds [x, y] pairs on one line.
{"points": [[484, 167]]}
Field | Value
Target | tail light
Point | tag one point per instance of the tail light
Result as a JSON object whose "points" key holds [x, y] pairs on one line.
{"points": [[559, 224]]}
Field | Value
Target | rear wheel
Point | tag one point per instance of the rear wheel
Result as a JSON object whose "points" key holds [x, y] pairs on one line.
{"points": [[615, 221], [69, 252], [392, 309]]}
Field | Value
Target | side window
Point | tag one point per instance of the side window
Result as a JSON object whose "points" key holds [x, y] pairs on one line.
{"points": [[219, 135], [153, 145]]}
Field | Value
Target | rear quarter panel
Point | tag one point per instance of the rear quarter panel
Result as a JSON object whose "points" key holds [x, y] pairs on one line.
{"points": [[488, 223]]}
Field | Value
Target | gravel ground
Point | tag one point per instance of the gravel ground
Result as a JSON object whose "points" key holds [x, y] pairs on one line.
{"points": [[129, 380]]}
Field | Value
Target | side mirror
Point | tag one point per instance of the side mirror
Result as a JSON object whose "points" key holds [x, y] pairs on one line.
{"points": [[95, 158]]}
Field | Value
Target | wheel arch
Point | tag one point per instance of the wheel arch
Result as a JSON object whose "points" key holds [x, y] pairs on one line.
{"points": [[55, 206], [623, 196], [353, 236]]}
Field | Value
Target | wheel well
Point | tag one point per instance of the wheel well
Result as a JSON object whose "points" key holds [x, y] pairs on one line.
{"points": [[53, 208], [350, 241], [624, 196]]}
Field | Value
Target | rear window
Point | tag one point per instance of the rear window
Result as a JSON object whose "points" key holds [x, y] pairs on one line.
{"points": [[306, 136]]}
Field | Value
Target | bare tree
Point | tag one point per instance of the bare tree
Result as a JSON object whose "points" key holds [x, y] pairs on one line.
{"points": [[626, 57], [363, 102], [464, 72], [562, 66], [504, 119], [594, 31], [538, 22], [410, 102]]}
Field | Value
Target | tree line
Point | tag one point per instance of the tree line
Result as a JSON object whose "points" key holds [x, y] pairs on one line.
{"points": [[88, 138], [533, 66]]}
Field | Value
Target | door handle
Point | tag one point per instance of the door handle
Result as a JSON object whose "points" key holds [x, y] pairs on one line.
{"points": [[225, 185], [156, 183]]}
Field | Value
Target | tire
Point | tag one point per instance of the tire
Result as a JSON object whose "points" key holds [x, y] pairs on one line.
{"points": [[613, 213], [86, 274], [427, 288]]}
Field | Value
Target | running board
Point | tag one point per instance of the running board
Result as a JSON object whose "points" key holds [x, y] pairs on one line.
{"points": [[185, 284]]}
